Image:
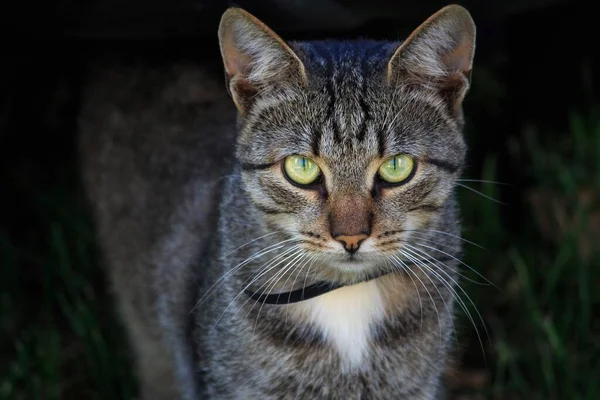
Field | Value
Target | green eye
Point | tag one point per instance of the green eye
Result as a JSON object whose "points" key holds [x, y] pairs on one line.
{"points": [[397, 169], [301, 170]]}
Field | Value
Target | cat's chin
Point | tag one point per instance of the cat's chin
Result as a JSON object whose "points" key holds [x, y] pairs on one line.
{"points": [[354, 267]]}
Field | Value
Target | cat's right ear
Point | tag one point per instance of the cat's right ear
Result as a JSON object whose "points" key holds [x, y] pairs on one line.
{"points": [[254, 57]]}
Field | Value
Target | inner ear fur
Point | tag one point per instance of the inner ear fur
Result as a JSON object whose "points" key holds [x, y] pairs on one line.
{"points": [[254, 57], [438, 53]]}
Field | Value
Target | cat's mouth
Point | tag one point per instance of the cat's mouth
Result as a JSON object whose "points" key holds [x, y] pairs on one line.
{"points": [[355, 264], [344, 265]]}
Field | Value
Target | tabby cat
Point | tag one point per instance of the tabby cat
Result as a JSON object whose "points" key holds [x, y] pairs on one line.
{"points": [[308, 251]]}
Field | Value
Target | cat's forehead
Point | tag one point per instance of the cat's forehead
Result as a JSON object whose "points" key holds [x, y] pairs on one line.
{"points": [[353, 106]]}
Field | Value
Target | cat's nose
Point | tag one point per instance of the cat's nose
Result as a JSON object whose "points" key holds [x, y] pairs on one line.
{"points": [[350, 219], [351, 242]]}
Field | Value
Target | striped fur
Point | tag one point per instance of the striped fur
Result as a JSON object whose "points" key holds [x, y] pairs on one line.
{"points": [[230, 219]]}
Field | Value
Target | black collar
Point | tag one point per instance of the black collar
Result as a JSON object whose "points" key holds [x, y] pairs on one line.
{"points": [[322, 287]]}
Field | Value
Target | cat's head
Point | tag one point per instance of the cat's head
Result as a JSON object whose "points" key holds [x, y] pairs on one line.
{"points": [[350, 146]]}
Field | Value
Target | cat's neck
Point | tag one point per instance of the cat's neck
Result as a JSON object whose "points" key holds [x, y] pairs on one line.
{"points": [[348, 317]]}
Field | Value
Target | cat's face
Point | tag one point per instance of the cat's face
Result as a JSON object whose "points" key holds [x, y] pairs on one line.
{"points": [[342, 145]]}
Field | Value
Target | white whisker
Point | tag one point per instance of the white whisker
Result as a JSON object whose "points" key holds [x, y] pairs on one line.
{"points": [[408, 270], [279, 261], [258, 254], [483, 181], [252, 241], [481, 194], [459, 299], [416, 289], [446, 233], [314, 259], [289, 266], [406, 242], [430, 240], [309, 258], [290, 275], [417, 261], [264, 270], [460, 261]]}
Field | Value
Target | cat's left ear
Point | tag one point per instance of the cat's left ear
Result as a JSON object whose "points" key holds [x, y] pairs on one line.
{"points": [[255, 58], [439, 52]]}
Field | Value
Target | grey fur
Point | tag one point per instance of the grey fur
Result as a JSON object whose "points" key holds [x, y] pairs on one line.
{"points": [[177, 207]]}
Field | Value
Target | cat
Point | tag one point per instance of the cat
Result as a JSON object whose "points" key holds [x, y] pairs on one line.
{"points": [[297, 234]]}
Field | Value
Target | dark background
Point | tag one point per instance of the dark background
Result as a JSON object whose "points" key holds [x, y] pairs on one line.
{"points": [[533, 125]]}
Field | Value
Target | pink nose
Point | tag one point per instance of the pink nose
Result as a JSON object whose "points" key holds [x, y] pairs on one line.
{"points": [[351, 242]]}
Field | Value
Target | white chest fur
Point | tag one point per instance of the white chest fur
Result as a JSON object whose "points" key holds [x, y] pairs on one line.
{"points": [[346, 317]]}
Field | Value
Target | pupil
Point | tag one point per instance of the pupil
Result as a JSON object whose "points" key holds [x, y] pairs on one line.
{"points": [[304, 163], [395, 163]]}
